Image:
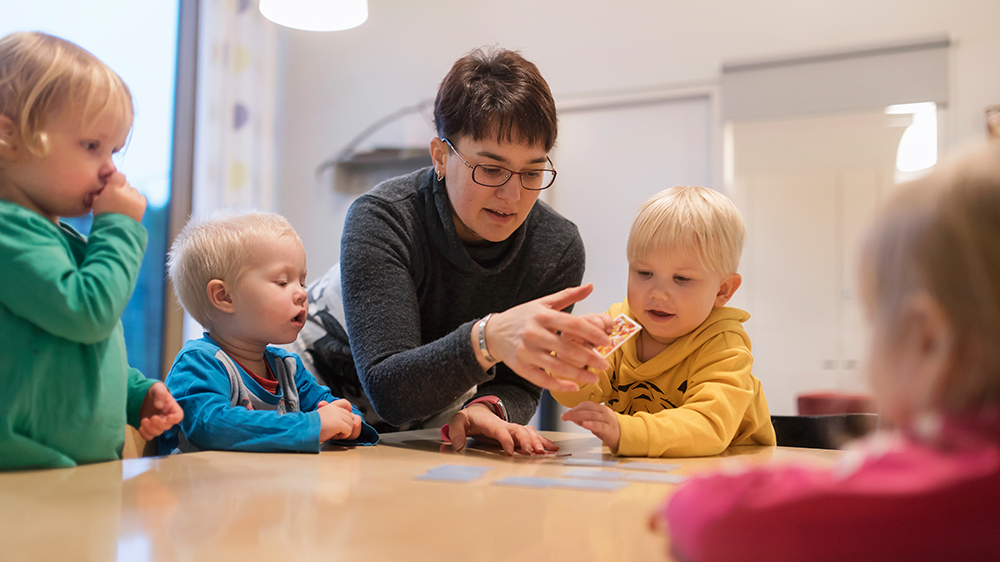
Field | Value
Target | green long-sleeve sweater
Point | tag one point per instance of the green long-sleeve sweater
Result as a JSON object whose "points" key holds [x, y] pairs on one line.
{"points": [[66, 390]]}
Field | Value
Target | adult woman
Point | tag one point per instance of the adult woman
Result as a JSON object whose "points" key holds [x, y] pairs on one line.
{"points": [[454, 276]]}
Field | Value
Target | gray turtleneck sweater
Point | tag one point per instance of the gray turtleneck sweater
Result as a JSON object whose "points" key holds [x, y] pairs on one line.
{"points": [[412, 291]]}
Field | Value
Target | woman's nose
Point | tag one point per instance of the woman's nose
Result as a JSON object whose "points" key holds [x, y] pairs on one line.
{"points": [[510, 191]]}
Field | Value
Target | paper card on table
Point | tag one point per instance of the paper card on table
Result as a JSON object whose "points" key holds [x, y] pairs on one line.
{"points": [[572, 484], [624, 328], [656, 478], [448, 477], [454, 473], [496, 451], [619, 475], [651, 466], [525, 482], [589, 462], [460, 468], [595, 474], [597, 485]]}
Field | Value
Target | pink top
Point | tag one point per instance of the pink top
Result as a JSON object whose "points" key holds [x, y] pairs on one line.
{"points": [[930, 498]]}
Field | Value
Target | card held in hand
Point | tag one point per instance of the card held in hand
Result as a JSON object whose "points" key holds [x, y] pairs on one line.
{"points": [[624, 328]]}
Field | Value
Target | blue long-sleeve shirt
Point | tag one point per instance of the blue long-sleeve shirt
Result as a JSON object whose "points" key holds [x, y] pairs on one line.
{"points": [[200, 382]]}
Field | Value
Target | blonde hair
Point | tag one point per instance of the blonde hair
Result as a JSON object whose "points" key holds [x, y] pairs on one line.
{"points": [[41, 74], [221, 247], [940, 236], [696, 219]]}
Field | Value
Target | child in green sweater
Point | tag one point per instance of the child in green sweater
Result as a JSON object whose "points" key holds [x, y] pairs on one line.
{"points": [[67, 387]]}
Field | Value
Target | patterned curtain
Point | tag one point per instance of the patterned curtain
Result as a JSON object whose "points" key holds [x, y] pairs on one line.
{"points": [[234, 138], [234, 119]]}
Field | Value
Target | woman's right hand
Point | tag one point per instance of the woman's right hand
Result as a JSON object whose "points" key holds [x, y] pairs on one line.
{"points": [[529, 339]]}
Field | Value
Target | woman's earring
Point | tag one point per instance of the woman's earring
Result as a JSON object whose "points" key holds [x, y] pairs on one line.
{"points": [[440, 175]]}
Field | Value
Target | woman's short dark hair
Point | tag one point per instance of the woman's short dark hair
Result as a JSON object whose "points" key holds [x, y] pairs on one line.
{"points": [[494, 91]]}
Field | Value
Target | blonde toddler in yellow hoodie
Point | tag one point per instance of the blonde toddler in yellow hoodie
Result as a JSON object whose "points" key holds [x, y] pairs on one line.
{"points": [[682, 386]]}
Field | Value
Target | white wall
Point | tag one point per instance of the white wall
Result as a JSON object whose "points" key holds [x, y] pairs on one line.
{"points": [[336, 84]]}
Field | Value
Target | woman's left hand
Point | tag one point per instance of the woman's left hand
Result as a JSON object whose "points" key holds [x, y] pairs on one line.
{"points": [[480, 422]]}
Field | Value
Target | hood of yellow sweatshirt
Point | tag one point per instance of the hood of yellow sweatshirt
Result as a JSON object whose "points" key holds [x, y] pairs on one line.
{"points": [[722, 319]]}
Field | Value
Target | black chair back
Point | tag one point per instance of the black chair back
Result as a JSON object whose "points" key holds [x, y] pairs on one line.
{"points": [[822, 432]]}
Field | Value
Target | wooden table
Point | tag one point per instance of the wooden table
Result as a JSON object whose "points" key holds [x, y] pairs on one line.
{"points": [[343, 504]]}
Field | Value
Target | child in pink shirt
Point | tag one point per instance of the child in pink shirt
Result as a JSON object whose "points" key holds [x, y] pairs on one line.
{"points": [[931, 282]]}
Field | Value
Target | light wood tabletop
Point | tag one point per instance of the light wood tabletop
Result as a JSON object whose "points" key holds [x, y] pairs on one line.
{"points": [[361, 503]]}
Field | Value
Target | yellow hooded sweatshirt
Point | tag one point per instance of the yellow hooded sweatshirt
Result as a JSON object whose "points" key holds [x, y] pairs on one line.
{"points": [[696, 398]]}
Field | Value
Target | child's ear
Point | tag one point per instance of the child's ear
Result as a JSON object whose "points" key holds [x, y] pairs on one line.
{"points": [[929, 341], [728, 288], [219, 296], [8, 138]]}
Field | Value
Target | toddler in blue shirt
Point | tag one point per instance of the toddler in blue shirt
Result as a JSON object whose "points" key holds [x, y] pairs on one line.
{"points": [[242, 277]]}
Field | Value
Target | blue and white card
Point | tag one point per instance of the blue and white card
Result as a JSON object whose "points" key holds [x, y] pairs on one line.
{"points": [[595, 474], [656, 478], [589, 462], [525, 482], [619, 475], [651, 466], [572, 483], [454, 473]]}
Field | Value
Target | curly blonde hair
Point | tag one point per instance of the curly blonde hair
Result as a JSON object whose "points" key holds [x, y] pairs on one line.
{"points": [[41, 74]]}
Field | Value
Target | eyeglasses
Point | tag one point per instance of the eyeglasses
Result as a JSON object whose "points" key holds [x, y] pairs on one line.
{"points": [[495, 176]]}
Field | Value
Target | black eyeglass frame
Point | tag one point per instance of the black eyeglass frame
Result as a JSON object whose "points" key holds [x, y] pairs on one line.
{"points": [[510, 173]]}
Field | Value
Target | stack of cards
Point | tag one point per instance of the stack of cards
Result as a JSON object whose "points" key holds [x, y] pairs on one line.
{"points": [[624, 328]]}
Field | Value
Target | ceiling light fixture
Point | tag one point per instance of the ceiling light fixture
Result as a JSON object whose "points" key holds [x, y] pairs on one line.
{"points": [[316, 15]]}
